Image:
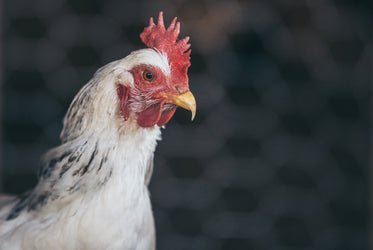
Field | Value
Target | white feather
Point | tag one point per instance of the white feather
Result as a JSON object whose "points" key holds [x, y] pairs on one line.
{"points": [[106, 207]]}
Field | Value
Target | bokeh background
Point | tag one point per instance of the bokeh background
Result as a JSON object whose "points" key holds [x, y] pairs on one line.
{"points": [[279, 154]]}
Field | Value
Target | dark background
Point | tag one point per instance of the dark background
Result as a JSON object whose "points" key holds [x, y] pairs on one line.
{"points": [[279, 154]]}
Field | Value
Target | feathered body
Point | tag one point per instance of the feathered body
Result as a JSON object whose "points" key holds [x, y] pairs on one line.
{"points": [[92, 191]]}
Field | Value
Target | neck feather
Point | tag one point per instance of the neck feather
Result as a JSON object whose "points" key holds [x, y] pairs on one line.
{"points": [[87, 166]]}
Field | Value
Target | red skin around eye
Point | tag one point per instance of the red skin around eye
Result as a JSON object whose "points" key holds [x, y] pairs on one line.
{"points": [[155, 114]]}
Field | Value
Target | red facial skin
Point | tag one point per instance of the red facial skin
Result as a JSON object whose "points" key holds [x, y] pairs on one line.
{"points": [[145, 98]]}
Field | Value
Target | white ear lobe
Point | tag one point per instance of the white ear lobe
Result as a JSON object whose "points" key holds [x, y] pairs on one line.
{"points": [[126, 79]]}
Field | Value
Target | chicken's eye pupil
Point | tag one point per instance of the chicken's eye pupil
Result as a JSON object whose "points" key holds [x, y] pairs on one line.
{"points": [[148, 76]]}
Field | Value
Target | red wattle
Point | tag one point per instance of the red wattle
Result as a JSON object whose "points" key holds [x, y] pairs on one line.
{"points": [[150, 116], [166, 116], [154, 115]]}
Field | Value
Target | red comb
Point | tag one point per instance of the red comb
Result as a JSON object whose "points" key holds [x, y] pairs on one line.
{"points": [[164, 40]]}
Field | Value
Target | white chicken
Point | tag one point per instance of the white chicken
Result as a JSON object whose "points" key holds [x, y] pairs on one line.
{"points": [[92, 191]]}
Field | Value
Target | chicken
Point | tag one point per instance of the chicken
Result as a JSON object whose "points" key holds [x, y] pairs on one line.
{"points": [[92, 191]]}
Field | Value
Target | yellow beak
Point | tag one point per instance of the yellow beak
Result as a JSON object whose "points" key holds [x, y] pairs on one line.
{"points": [[186, 101]]}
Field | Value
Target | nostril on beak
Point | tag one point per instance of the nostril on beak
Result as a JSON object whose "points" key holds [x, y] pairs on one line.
{"points": [[179, 89]]}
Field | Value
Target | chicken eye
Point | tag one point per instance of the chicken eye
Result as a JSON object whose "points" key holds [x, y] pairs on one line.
{"points": [[148, 76]]}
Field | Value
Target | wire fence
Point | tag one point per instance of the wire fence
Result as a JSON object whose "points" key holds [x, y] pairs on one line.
{"points": [[279, 154]]}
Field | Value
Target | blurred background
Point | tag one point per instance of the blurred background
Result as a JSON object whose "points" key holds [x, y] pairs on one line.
{"points": [[279, 154]]}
